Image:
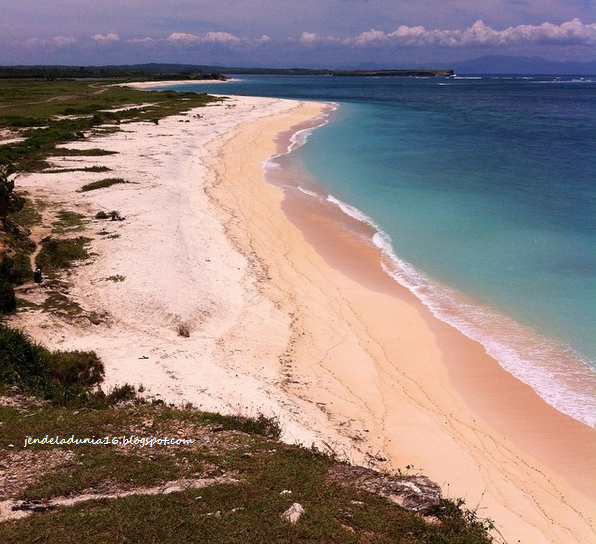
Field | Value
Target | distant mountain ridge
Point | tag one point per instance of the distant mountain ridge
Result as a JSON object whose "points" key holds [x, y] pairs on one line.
{"points": [[497, 64]]}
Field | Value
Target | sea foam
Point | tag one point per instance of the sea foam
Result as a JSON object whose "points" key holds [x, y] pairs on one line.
{"points": [[551, 369]]}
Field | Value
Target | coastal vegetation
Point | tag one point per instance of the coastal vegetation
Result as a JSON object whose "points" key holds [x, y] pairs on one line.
{"points": [[235, 480], [101, 183]]}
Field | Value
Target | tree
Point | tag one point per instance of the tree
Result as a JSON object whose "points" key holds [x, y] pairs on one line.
{"points": [[7, 169]]}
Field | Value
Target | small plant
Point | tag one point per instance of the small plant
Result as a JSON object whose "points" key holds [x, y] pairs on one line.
{"points": [[102, 183], [121, 393], [116, 278], [183, 329], [112, 216]]}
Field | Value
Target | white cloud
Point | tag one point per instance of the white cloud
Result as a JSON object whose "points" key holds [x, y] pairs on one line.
{"points": [[107, 38], [183, 37], [308, 38], [571, 32], [141, 40], [222, 38], [372, 36], [62, 41]]}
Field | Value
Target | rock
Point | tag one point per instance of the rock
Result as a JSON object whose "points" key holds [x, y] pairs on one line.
{"points": [[413, 493], [293, 513]]}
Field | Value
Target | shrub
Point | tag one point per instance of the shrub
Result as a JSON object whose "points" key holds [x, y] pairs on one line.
{"points": [[183, 329], [121, 393], [100, 184], [16, 270], [60, 376], [8, 301], [75, 368], [22, 361]]}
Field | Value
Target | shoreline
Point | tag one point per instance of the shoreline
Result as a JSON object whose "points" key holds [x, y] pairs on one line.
{"points": [[282, 323], [475, 429]]}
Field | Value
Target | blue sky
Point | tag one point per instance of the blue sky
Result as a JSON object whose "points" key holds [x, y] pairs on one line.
{"points": [[307, 33]]}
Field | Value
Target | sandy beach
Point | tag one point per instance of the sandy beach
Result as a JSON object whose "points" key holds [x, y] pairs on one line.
{"points": [[291, 316]]}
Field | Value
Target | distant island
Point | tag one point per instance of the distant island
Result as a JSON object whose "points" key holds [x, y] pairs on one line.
{"points": [[162, 72], [133, 72]]}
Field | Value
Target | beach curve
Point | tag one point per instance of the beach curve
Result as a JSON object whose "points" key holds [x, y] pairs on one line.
{"points": [[281, 322]]}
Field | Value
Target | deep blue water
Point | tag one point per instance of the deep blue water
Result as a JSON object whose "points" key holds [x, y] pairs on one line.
{"points": [[483, 192]]}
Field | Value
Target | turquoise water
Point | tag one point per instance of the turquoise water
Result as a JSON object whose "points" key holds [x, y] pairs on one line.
{"points": [[483, 196]]}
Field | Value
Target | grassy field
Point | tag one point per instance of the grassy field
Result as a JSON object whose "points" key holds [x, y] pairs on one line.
{"points": [[250, 477], [253, 480], [45, 113]]}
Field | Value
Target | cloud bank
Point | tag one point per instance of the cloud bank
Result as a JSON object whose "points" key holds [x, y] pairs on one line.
{"points": [[569, 33], [220, 46]]}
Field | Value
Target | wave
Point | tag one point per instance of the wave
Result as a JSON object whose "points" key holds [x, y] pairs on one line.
{"points": [[559, 375], [300, 137], [556, 373]]}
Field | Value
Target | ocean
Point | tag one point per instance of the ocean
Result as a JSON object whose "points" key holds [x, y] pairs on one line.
{"points": [[481, 192]]}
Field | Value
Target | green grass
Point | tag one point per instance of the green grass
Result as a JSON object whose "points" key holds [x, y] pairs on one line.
{"points": [[93, 152], [62, 253], [35, 108], [246, 511], [29, 215], [100, 184], [67, 220], [56, 375], [84, 169]]}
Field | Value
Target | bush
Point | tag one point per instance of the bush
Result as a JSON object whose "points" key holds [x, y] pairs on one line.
{"points": [[8, 301], [100, 184], [59, 376], [76, 368], [16, 270], [22, 361], [121, 393]]}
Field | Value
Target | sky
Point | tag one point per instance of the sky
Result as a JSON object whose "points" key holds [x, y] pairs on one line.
{"points": [[284, 33]]}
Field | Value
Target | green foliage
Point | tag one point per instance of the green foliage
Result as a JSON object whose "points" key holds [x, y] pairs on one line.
{"points": [[246, 511], [22, 361], [8, 301], [68, 220], [100, 184], [76, 368], [7, 169], [59, 376], [27, 215], [16, 270], [38, 107], [93, 152], [61, 253]]}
